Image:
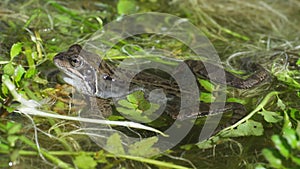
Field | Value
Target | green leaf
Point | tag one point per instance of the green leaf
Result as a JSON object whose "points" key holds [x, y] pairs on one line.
{"points": [[298, 133], [274, 161], [100, 157], [134, 114], [287, 122], [4, 89], [280, 104], [280, 146], [136, 97], [144, 105], [291, 136], [9, 69], [13, 128], [114, 144], [206, 97], [127, 104], [137, 107], [130, 112], [85, 161], [19, 73], [298, 62], [286, 78], [187, 147], [10, 108], [144, 147], [207, 85], [30, 72], [115, 118], [249, 128], [294, 113], [211, 142], [133, 98], [4, 147], [126, 7], [14, 155], [259, 166], [30, 56], [296, 160], [12, 140], [237, 100], [15, 50], [271, 117], [39, 80], [153, 108]]}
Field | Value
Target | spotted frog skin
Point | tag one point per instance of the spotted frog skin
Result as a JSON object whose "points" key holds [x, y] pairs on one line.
{"points": [[94, 79]]}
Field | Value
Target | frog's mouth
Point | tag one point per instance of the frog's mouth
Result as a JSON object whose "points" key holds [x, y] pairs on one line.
{"points": [[80, 84]]}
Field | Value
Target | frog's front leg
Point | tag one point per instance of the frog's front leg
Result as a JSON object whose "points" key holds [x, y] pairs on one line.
{"points": [[100, 107]]}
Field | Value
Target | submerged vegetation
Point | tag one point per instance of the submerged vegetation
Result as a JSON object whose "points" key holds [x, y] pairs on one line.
{"points": [[35, 132]]}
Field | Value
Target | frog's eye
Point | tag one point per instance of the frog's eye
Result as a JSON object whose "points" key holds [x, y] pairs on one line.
{"points": [[75, 62]]}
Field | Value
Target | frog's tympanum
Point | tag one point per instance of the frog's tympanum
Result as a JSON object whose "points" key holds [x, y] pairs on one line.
{"points": [[94, 79]]}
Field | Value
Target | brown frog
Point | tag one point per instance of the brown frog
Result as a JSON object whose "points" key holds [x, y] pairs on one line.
{"points": [[93, 78]]}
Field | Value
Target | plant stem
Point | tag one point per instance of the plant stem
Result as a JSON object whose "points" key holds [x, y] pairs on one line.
{"points": [[135, 158], [45, 153], [258, 108]]}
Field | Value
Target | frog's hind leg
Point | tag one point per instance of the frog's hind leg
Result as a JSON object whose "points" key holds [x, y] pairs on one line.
{"points": [[218, 74]]}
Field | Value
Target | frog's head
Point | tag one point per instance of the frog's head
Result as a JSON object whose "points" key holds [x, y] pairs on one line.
{"points": [[87, 74], [75, 64]]}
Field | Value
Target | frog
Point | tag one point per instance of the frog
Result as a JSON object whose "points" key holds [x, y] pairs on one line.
{"points": [[94, 78]]}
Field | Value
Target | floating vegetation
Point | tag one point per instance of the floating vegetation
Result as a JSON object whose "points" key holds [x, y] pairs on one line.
{"points": [[39, 121]]}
